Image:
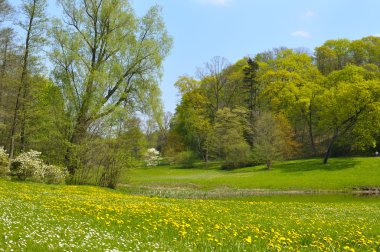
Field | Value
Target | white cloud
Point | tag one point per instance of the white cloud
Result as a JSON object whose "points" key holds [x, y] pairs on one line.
{"points": [[215, 2], [301, 34], [376, 35], [309, 14]]}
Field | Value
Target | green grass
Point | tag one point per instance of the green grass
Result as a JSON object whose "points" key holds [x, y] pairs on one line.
{"points": [[308, 174], [37, 217]]}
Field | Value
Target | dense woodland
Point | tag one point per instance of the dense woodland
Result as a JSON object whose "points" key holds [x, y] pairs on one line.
{"points": [[84, 91]]}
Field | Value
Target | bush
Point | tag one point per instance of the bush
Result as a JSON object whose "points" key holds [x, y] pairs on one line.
{"points": [[238, 155], [28, 165], [4, 162], [186, 159], [55, 174], [152, 157]]}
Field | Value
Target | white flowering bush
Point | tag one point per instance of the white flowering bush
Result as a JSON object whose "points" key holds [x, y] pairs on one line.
{"points": [[55, 174], [28, 165], [152, 157], [4, 162]]}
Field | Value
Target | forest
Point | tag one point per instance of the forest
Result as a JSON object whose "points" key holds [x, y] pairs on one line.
{"points": [[81, 95]]}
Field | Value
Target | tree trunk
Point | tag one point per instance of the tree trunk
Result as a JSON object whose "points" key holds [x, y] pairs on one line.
{"points": [[329, 148], [79, 133], [3, 69], [23, 84], [269, 163], [311, 134], [14, 123]]}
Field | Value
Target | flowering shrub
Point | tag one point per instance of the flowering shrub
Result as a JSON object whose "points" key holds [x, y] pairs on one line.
{"points": [[152, 157], [28, 165], [55, 174], [4, 161]]}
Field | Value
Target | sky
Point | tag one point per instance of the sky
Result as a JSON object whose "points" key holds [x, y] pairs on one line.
{"points": [[202, 29]]}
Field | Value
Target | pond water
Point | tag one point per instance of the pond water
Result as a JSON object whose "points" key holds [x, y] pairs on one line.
{"points": [[322, 198]]}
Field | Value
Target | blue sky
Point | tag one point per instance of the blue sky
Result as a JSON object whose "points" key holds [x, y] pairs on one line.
{"points": [[236, 28], [233, 29]]}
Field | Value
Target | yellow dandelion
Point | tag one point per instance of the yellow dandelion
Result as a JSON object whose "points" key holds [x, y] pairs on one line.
{"points": [[248, 239]]}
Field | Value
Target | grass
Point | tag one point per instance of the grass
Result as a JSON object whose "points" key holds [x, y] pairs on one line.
{"points": [[341, 174], [37, 217]]}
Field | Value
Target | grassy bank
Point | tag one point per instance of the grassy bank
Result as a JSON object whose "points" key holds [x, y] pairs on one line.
{"points": [[304, 175], [36, 217]]}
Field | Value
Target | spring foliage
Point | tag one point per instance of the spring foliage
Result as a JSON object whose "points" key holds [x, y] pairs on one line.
{"points": [[4, 162]]}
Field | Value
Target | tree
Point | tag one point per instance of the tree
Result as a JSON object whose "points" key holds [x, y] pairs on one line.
{"points": [[5, 10], [104, 57], [290, 85], [251, 86], [333, 55], [351, 104], [9, 70], [270, 139], [228, 141], [34, 26], [192, 122], [46, 121], [214, 83]]}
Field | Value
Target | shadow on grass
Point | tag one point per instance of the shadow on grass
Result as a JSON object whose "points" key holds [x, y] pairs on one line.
{"points": [[335, 164], [211, 165]]}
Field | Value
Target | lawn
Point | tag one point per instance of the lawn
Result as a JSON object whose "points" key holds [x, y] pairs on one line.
{"points": [[37, 217], [340, 174]]}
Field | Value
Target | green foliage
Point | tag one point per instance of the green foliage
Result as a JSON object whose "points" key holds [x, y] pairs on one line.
{"points": [[350, 106], [237, 155], [228, 142], [4, 162], [186, 159], [107, 58], [270, 142], [47, 121]]}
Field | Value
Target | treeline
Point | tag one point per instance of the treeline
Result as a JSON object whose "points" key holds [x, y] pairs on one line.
{"points": [[73, 87], [282, 104], [76, 89]]}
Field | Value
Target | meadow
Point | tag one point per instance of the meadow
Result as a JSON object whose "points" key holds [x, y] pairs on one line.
{"points": [[38, 217], [297, 176], [200, 209]]}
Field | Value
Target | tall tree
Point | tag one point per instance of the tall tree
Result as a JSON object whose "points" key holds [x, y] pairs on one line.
{"points": [[214, 81], [350, 104], [251, 86], [333, 55], [34, 26], [291, 83], [228, 141], [270, 139], [105, 56], [9, 72]]}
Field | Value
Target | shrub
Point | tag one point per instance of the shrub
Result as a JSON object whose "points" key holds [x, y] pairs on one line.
{"points": [[186, 159], [152, 157], [55, 174], [4, 162], [28, 165], [238, 155]]}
